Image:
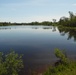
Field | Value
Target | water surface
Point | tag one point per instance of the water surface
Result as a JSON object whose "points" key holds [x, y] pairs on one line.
{"points": [[37, 44]]}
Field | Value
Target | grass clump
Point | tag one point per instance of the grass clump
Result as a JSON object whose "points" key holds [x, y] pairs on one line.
{"points": [[63, 67]]}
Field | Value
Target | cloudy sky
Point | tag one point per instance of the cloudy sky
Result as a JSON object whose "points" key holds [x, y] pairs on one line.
{"points": [[35, 10]]}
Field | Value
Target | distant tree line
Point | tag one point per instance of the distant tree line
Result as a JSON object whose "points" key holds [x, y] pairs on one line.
{"points": [[31, 23], [63, 21], [71, 21], [40, 23], [9, 23]]}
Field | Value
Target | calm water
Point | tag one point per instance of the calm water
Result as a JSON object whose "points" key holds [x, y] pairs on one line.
{"points": [[37, 43]]}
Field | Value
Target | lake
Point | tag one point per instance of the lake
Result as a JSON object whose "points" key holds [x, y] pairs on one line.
{"points": [[37, 44]]}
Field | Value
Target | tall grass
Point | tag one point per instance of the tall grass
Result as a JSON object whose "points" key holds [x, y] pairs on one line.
{"points": [[63, 67]]}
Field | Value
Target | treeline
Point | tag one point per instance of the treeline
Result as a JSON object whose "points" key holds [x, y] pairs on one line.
{"points": [[9, 23], [64, 21], [32, 23], [40, 23], [71, 21]]}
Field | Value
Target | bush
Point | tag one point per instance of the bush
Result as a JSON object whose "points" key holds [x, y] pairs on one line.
{"points": [[64, 67], [10, 64], [60, 54]]}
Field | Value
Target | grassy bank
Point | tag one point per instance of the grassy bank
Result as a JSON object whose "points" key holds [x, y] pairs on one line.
{"points": [[63, 67]]}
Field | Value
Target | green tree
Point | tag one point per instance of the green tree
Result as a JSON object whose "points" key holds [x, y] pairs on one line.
{"points": [[71, 21]]}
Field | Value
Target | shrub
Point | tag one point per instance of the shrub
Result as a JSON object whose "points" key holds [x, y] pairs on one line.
{"points": [[10, 64], [60, 54]]}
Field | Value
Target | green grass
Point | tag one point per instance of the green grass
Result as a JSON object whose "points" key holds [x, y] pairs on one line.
{"points": [[62, 70], [68, 68]]}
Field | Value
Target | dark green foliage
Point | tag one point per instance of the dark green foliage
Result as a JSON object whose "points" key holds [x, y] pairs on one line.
{"points": [[64, 67], [10, 64], [60, 54], [71, 21], [32, 23]]}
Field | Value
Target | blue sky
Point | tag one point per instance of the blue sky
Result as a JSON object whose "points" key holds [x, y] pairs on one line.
{"points": [[35, 10]]}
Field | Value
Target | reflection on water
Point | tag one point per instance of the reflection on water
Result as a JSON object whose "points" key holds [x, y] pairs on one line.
{"points": [[24, 27], [71, 33], [37, 44], [54, 29], [4, 28]]}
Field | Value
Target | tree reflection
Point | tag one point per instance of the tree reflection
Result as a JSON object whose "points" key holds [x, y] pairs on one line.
{"points": [[68, 31], [54, 29], [4, 28]]}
